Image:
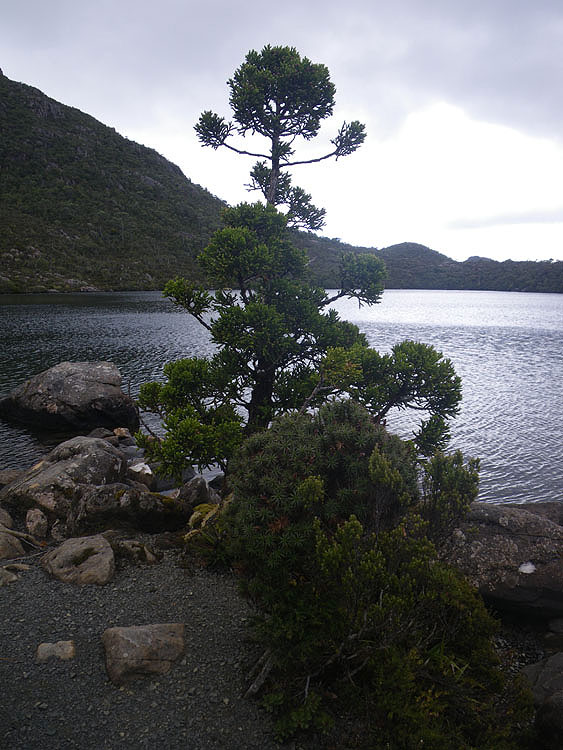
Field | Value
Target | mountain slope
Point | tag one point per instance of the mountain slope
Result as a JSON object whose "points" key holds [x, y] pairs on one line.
{"points": [[82, 206]]}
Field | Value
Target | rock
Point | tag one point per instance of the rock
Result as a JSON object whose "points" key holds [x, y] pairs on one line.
{"points": [[198, 492], [217, 482], [549, 722], [164, 483], [75, 396], [101, 432], [10, 546], [142, 472], [7, 576], [124, 436], [53, 484], [120, 504], [142, 650], [556, 625], [136, 551], [63, 650], [81, 561], [6, 519], [36, 523], [545, 677], [513, 556], [59, 531], [7, 476]]}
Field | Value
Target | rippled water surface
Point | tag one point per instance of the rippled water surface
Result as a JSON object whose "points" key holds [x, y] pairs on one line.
{"points": [[507, 347]]}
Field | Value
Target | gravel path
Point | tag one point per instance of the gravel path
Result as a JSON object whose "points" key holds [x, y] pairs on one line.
{"points": [[72, 704]]}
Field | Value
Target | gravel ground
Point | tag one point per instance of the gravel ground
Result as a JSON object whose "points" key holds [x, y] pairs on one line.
{"points": [[198, 705], [72, 704]]}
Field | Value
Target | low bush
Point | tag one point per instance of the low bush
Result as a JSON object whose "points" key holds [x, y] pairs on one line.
{"points": [[332, 526]]}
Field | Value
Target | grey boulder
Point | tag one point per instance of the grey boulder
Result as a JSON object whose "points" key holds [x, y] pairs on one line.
{"points": [[81, 561], [54, 484], [76, 396], [514, 555], [142, 650]]}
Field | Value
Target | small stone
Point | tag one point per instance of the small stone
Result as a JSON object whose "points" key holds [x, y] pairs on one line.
{"points": [[63, 650], [10, 546], [6, 577], [6, 519], [36, 523]]}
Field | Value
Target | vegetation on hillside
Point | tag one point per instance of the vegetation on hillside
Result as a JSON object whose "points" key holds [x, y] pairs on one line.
{"points": [[81, 206]]}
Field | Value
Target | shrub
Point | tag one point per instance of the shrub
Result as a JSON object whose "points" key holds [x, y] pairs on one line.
{"points": [[330, 524]]}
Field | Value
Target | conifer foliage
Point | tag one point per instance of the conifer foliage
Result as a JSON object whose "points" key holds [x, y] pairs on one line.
{"points": [[280, 346], [280, 96]]}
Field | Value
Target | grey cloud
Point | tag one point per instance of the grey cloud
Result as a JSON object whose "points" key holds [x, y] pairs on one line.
{"points": [[500, 60]]}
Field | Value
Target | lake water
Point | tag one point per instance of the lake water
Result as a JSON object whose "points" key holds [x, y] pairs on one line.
{"points": [[507, 347]]}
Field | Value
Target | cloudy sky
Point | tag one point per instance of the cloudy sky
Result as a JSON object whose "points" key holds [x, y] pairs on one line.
{"points": [[462, 102]]}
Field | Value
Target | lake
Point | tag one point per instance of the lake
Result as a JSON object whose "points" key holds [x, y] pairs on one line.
{"points": [[506, 346]]}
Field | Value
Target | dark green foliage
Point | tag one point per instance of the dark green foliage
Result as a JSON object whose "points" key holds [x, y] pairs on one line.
{"points": [[416, 376], [449, 487], [273, 338], [279, 350], [329, 466], [280, 96], [365, 628]]}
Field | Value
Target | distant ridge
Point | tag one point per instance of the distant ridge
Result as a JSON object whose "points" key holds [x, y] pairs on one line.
{"points": [[82, 208]]}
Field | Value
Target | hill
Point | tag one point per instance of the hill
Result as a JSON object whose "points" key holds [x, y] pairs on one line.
{"points": [[414, 266], [82, 207]]}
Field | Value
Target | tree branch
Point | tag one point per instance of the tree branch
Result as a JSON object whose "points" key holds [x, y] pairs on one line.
{"points": [[246, 153]]}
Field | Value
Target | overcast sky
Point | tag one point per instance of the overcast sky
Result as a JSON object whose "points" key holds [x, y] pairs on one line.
{"points": [[462, 102]]}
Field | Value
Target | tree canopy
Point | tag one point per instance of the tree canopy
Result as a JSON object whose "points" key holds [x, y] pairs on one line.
{"points": [[280, 96]]}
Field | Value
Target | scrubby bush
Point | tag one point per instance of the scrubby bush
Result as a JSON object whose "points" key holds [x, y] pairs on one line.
{"points": [[330, 525]]}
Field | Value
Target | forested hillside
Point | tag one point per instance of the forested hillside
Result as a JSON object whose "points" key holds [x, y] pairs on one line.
{"points": [[81, 207]]}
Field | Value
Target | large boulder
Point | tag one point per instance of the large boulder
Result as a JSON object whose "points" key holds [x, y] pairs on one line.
{"points": [[514, 555], [54, 484], [75, 396], [81, 561], [546, 680], [83, 486], [123, 505]]}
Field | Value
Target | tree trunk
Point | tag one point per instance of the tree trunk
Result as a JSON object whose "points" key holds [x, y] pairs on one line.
{"points": [[275, 173], [260, 409]]}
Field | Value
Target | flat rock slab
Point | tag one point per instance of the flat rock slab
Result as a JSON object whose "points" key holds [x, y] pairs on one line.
{"points": [[81, 561], [142, 650], [72, 396]]}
